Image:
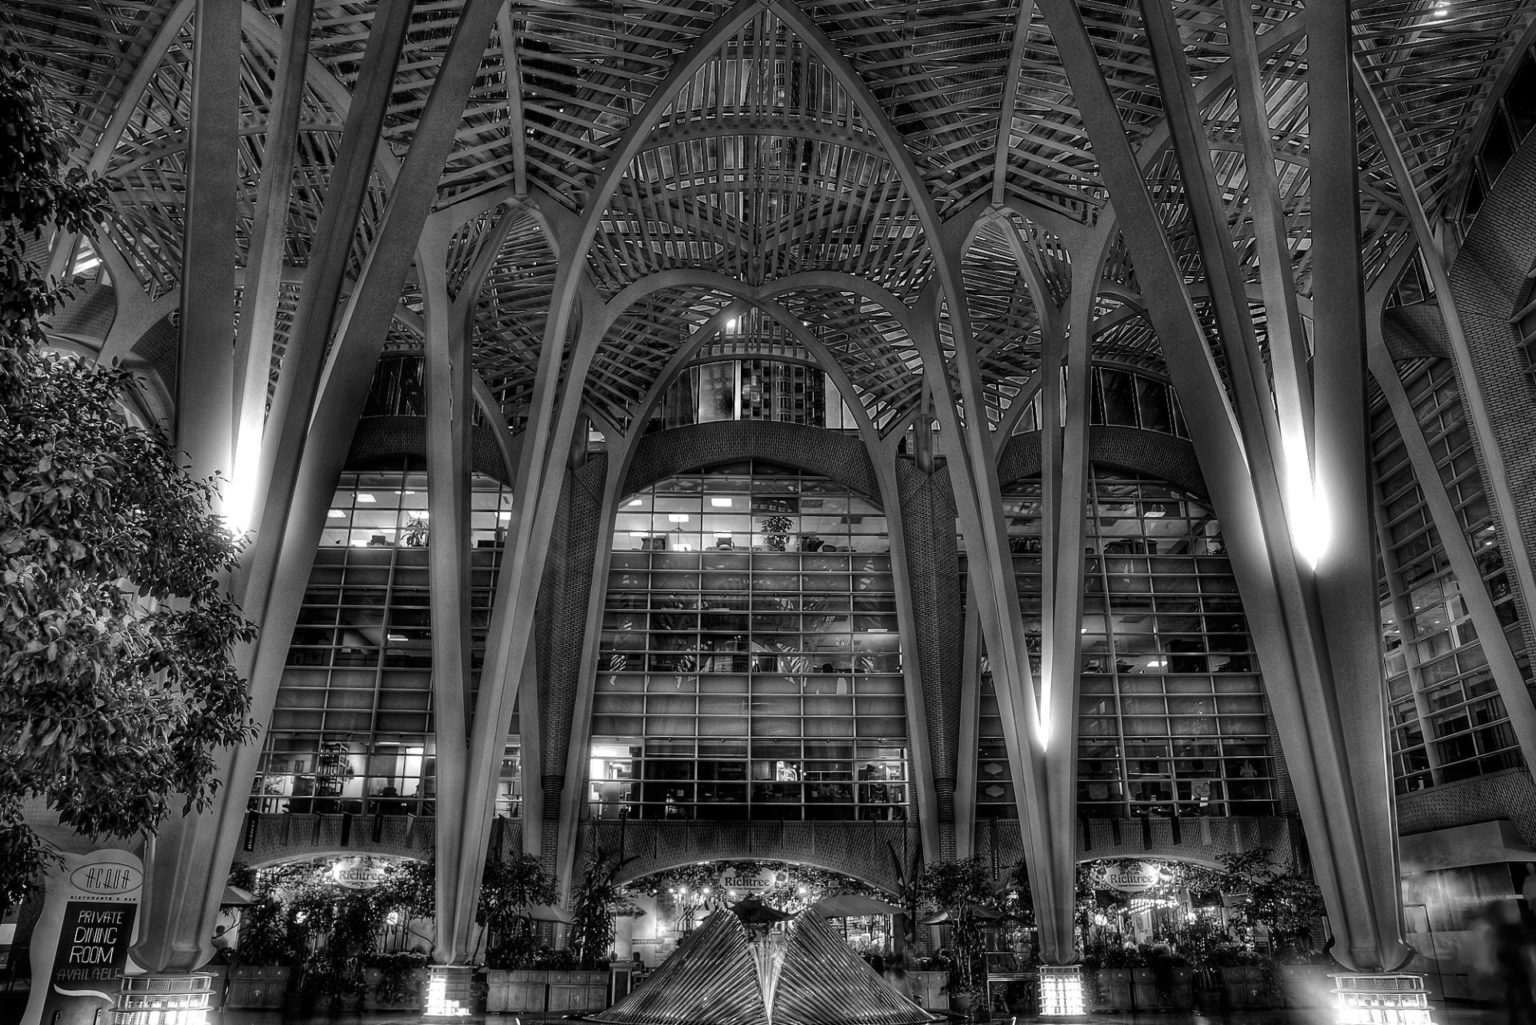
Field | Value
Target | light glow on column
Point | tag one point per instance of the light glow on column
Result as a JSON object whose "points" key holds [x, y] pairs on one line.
{"points": [[1306, 506], [1386, 998], [164, 1000], [450, 992], [1061, 990], [240, 489]]}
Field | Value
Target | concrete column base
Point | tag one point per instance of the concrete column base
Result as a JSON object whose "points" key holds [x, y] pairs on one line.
{"points": [[173, 998], [450, 991], [1061, 990], [1381, 998]]}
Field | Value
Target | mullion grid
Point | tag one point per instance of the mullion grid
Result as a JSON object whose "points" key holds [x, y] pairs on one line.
{"points": [[1172, 719], [773, 644], [1446, 719]]}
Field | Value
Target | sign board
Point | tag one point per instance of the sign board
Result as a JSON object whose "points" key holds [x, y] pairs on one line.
{"points": [[360, 873], [1130, 877], [753, 880], [80, 944]]}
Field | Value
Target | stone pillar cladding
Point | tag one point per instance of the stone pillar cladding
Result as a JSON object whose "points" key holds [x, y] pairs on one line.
{"points": [[933, 568], [560, 625], [1489, 284]]}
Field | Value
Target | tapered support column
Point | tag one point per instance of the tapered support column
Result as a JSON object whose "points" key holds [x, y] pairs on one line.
{"points": [[1318, 652], [181, 886], [449, 405], [1372, 934], [1064, 479]]}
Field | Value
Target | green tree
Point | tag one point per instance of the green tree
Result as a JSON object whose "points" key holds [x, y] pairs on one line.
{"points": [[508, 892], [592, 913], [115, 630], [1282, 897], [960, 889]]}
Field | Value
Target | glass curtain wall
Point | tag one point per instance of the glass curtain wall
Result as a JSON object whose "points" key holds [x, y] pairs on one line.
{"points": [[750, 663], [352, 729], [1172, 718], [1446, 718]]}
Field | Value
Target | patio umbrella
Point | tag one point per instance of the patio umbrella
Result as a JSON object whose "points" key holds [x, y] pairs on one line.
{"points": [[852, 905], [752, 911], [236, 897], [984, 914]]}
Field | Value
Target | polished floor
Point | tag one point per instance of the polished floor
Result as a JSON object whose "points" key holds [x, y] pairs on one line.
{"points": [[1441, 1014], [12, 1004]]}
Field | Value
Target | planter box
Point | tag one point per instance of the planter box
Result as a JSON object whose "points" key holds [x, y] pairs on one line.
{"points": [[1171, 989], [1245, 986], [259, 986], [413, 998], [928, 990], [577, 991], [535, 991], [1306, 985], [1108, 989], [520, 990]]}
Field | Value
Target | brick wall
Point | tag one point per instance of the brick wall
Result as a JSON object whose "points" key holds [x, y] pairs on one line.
{"points": [[1488, 282], [1500, 795]]}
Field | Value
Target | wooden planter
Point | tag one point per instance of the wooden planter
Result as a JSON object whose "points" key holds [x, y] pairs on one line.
{"points": [[928, 989], [1306, 985], [1245, 986], [577, 991], [1109, 989], [258, 986], [519, 990], [1163, 990], [413, 999], [535, 991]]}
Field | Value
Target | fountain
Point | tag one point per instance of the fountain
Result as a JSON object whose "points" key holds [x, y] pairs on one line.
{"points": [[733, 973]]}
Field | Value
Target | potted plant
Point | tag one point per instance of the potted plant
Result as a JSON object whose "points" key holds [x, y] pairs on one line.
{"points": [[961, 892], [269, 943], [509, 891], [1244, 977], [347, 924], [776, 531], [1164, 981], [1115, 982], [395, 981], [591, 941]]}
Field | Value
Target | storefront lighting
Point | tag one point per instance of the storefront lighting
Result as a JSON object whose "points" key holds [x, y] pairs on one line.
{"points": [[1382, 999], [164, 1000], [720, 503], [1061, 990], [450, 991]]}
